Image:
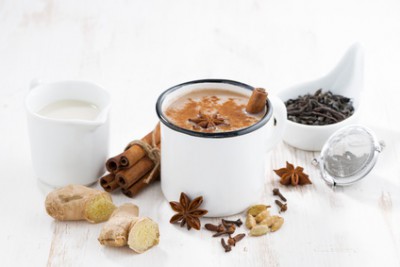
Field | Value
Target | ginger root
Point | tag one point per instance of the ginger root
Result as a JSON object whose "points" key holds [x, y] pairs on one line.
{"points": [[78, 202], [125, 228], [115, 231]]}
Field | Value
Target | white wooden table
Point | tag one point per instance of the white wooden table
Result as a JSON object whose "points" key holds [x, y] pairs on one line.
{"points": [[137, 49]]}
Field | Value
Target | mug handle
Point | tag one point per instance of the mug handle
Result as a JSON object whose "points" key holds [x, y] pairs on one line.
{"points": [[279, 118]]}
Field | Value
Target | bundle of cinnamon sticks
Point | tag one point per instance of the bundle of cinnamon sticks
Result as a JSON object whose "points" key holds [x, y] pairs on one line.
{"points": [[133, 169]]}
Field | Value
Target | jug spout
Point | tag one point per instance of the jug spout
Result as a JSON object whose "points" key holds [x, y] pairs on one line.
{"points": [[102, 118]]}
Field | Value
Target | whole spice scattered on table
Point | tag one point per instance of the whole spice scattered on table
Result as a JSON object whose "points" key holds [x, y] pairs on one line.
{"points": [[229, 228], [233, 240], [260, 222], [256, 209], [226, 227], [292, 176], [238, 222], [276, 192], [283, 206], [320, 108], [188, 211], [225, 245]]}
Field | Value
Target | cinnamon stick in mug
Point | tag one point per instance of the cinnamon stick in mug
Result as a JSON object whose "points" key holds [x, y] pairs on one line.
{"points": [[132, 155], [257, 101]]}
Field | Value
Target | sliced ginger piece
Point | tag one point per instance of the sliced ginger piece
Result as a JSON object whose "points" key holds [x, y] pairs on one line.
{"points": [[78, 202], [115, 231], [143, 235], [98, 209], [125, 228]]}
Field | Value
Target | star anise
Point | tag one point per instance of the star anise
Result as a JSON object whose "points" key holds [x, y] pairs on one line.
{"points": [[293, 176], [188, 211], [208, 121]]}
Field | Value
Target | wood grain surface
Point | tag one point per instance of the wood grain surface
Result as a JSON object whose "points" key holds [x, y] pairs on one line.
{"points": [[137, 49]]}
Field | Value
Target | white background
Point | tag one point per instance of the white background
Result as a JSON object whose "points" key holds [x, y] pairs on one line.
{"points": [[137, 49]]}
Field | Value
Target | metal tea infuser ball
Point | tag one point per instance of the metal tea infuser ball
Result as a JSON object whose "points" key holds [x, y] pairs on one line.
{"points": [[348, 155]]}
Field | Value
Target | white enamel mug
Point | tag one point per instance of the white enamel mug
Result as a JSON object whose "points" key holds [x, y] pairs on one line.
{"points": [[226, 168], [68, 151]]}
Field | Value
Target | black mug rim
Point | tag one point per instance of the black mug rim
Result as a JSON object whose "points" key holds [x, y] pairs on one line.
{"points": [[239, 132]]}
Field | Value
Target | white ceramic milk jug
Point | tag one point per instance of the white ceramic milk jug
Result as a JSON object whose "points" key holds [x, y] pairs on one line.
{"points": [[68, 127]]}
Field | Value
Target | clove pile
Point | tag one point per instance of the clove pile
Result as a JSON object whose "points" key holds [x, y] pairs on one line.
{"points": [[226, 227], [320, 108]]}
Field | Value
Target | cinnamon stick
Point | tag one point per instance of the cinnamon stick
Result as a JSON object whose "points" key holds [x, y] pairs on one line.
{"points": [[128, 177], [109, 183], [257, 101], [131, 156], [106, 179], [112, 164], [139, 185]]}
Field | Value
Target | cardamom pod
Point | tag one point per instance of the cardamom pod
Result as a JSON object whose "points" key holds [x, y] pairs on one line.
{"points": [[256, 209], [273, 222], [262, 215], [250, 221], [269, 221], [259, 230], [277, 224]]}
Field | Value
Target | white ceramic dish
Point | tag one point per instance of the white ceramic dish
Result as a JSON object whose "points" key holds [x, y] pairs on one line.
{"points": [[345, 79]]}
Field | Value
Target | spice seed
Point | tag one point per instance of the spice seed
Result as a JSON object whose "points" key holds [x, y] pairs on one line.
{"points": [[259, 230], [250, 221], [256, 209], [262, 215], [225, 246], [277, 224]]}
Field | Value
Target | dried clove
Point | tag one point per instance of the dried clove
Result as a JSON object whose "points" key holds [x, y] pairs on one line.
{"points": [[214, 228], [276, 192], [233, 240], [229, 229], [281, 205], [238, 222], [225, 246]]}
